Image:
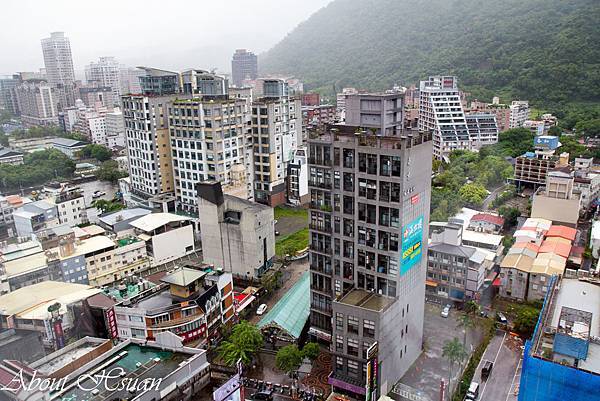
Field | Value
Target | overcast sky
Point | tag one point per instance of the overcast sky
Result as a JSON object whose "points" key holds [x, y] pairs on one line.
{"points": [[173, 34]]}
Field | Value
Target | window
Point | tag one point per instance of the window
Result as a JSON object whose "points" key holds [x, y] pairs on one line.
{"points": [[368, 328], [352, 367], [352, 347], [339, 363], [339, 321], [339, 343], [352, 324]]}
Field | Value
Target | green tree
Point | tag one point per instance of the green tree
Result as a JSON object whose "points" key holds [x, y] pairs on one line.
{"points": [[106, 206], [473, 194], [243, 343], [454, 352], [510, 215], [3, 138], [471, 308], [288, 359], [109, 171], [95, 151], [311, 351], [526, 319]]}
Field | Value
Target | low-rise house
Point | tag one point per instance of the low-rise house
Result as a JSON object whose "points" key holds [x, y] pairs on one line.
{"points": [[69, 147], [9, 156], [35, 216], [167, 236], [487, 223], [119, 222], [189, 303], [455, 271]]}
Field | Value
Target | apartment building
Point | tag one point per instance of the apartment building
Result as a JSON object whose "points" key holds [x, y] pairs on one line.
{"points": [[58, 63], [70, 206], [115, 129], [34, 216], [276, 122], [440, 110], [519, 113], [531, 168], [378, 112], [369, 207], [208, 138], [237, 234], [147, 135], [105, 72], [483, 129], [455, 272], [297, 184], [556, 201], [340, 103], [37, 101], [189, 303], [244, 67]]}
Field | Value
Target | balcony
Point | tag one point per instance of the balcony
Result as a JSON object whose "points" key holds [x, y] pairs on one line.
{"points": [[319, 162], [320, 269], [326, 249]]}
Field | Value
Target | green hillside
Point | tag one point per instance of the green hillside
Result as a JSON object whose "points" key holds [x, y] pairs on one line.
{"points": [[547, 51]]}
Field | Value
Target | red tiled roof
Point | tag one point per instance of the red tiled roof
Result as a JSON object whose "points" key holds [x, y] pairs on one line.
{"points": [[562, 231], [558, 248], [489, 218]]}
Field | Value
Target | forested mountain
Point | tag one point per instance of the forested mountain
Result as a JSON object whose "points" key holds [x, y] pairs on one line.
{"points": [[547, 51]]}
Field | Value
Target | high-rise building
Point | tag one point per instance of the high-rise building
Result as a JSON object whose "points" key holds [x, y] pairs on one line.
{"points": [[369, 213], [115, 129], [59, 67], [130, 80], [244, 66], [37, 102], [8, 98], [440, 110], [376, 111], [208, 136], [105, 73], [147, 134], [341, 102], [276, 122]]}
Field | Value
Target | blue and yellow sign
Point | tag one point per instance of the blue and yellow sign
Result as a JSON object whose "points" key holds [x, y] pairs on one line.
{"points": [[412, 238]]}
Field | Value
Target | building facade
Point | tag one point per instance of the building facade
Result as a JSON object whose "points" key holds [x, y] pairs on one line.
{"points": [[236, 234], [483, 129], [382, 112], [244, 67], [38, 102], [58, 61], [440, 110], [276, 122], [106, 72], [369, 207]]}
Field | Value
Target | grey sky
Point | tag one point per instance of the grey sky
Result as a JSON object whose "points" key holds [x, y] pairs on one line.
{"points": [[163, 33]]}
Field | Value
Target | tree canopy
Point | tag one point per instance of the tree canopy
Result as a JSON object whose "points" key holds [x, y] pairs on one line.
{"points": [[243, 343], [37, 168], [492, 46], [288, 358], [109, 171], [95, 151]]}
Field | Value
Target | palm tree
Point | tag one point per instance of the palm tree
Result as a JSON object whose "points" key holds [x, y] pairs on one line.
{"points": [[465, 322], [453, 351]]}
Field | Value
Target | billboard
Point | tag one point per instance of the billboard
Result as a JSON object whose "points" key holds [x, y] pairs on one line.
{"points": [[412, 247]]}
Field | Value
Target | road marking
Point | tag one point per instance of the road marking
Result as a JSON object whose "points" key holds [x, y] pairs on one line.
{"points": [[513, 380], [480, 362]]}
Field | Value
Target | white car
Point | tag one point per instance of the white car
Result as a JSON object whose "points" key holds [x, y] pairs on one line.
{"points": [[261, 309], [445, 311]]}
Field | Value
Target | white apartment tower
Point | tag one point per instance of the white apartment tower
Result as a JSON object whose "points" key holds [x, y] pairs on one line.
{"points": [[105, 73], [519, 113], [208, 137], [147, 134], [59, 67], [276, 122], [440, 110]]}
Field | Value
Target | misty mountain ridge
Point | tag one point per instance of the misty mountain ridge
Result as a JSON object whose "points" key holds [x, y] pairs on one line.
{"points": [[547, 51]]}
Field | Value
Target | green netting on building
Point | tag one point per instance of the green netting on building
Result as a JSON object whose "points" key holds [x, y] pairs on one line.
{"points": [[291, 312]]}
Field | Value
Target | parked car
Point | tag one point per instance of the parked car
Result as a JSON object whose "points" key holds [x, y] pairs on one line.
{"points": [[473, 392], [501, 318], [266, 395], [98, 194], [445, 311], [276, 232], [487, 369], [261, 309]]}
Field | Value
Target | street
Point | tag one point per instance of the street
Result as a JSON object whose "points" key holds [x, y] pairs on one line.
{"points": [[492, 196], [505, 353]]}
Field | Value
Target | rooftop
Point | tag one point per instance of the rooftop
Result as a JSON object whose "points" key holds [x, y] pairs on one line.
{"points": [[562, 231], [489, 218], [366, 299], [291, 312], [43, 294], [123, 215], [457, 250], [483, 238], [70, 143], [183, 277], [152, 221], [93, 244], [25, 264]]}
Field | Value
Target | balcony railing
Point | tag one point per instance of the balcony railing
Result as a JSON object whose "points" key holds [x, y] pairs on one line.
{"points": [[320, 184], [320, 227]]}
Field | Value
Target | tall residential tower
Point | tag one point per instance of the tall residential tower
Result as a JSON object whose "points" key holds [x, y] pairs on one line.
{"points": [[244, 66]]}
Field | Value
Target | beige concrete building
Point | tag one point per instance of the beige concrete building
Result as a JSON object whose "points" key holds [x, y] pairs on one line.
{"points": [[557, 201]]}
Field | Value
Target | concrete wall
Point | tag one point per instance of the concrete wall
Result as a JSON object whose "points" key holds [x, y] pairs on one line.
{"points": [[172, 244], [559, 211]]}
